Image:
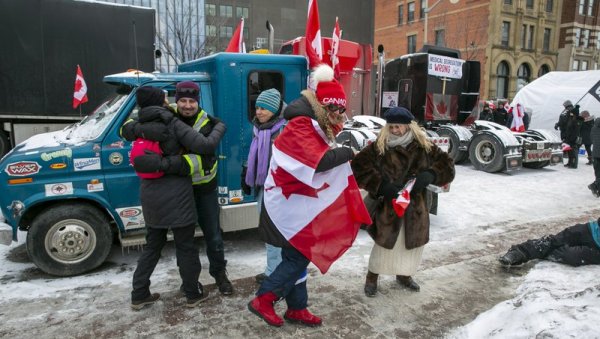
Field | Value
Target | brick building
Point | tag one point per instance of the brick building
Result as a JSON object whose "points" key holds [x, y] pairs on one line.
{"points": [[515, 41], [579, 39]]}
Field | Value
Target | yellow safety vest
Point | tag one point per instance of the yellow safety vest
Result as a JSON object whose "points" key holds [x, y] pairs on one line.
{"points": [[199, 174]]}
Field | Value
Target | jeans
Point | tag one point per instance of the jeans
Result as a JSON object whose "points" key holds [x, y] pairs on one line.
{"points": [[187, 260], [282, 281], [207, 206], [273, 252]]}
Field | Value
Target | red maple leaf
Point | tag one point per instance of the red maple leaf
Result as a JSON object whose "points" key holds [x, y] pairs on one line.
{"points": [[290, 185], [78, 85], [441, 107]]}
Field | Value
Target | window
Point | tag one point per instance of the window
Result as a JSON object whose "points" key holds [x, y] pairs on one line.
{"points": [[226, 11], [581, 7], [259, 81], [211, 30], [543, 70], [585, 38], [502, 80], [440, 37], [523, 76], [577, 37], [210, 9], [225, 31], [529, 4], [575, 65], [523, 36], [400, 14], [505, 33], [422, 13], [547, 33], [508, 2], [590, 7], [411, 12], [412, 43], [549, 5], [584, 65], [530, 37], [241, 12], [598, 40]]}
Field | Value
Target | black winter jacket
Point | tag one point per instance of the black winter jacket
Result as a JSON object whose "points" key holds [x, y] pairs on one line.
{"points": [[168, 202], [595, 135]]}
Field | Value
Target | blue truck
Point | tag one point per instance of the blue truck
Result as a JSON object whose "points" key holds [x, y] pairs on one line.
{"points": [[74, 191]]}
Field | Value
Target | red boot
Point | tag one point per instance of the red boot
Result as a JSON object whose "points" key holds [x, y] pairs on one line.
{"points": [[302, 316], [262, 306]]}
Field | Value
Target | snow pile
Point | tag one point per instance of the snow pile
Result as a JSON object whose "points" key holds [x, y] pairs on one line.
{"points": [[554, 301]]}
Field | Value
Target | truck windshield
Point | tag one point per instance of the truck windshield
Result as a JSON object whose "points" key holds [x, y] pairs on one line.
{"points": [[92, 126]]}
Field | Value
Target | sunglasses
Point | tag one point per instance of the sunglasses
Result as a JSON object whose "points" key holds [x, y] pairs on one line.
{"points": [[333, 108], [190, 91]]}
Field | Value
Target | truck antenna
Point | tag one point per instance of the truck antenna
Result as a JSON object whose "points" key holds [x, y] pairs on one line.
{"points": [[137, 65]]}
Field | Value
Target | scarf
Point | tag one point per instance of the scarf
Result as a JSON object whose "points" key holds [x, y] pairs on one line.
{"points": [[260, 149], [399, 140]]}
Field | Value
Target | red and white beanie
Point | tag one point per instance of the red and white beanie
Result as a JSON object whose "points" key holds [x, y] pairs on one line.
{"points": [[329, 91]]}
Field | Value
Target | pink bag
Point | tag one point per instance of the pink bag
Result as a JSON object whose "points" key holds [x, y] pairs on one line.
{"points": [[142, 147]]}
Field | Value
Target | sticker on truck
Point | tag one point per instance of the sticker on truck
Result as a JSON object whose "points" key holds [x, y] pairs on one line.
{"points": [[86, 164], [57, 189], [132, 217], [22, 168]]}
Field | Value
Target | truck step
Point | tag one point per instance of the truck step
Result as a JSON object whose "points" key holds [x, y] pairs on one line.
{"points": [[139, 239]]}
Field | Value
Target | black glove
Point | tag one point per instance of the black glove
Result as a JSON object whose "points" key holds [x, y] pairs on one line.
{"points": [[148, 163], [388, 190], [245, 188], [423, 179], [155, 131], [214, 120], [575, 110]]}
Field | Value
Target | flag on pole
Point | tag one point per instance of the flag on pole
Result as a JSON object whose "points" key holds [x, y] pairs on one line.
{"points": [[314, 49], [80, 93], [595, 91], [335, 46], [319, 213], [236, 44], [517, 124]]}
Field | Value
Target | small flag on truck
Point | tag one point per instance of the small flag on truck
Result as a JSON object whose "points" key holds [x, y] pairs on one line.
{"points": [[80, 94], [314, 50], [236, 44]]}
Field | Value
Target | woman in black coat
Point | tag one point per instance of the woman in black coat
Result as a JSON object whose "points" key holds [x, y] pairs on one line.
{"points": [[168, 201], [586, 129]]}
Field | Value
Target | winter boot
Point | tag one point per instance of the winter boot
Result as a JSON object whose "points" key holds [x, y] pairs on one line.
{"points": [[590, 161], [514, 257], [139, 304], [408, 281], [594, 189], [262, 306], [371, 284], [302, 317], [223, 283], [259, 278], [193, 302]]}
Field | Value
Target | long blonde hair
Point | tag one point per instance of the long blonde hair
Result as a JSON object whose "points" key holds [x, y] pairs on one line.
{"points": [[417, 131]]}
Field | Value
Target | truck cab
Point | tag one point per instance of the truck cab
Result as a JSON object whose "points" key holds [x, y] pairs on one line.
{"points": [[74, 191]]}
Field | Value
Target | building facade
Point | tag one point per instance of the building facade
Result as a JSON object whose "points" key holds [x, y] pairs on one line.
{"points": [[515, 41], [579, 39]]}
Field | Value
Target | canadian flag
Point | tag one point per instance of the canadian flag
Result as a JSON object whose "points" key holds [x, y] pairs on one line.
{"points": [[317, 213], [236, 44], [335, 46], [517, 124], [403, 200], [314, 50], [80, 93]]}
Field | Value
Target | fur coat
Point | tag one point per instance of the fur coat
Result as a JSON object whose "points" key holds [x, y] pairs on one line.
{"points": [[398, 165]]}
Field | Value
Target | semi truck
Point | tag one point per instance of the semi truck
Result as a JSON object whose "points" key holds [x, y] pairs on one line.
{"points": [[43, 41], [74, 192]]}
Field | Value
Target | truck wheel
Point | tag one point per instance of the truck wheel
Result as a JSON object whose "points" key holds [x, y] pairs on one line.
{"points": [[486, 153], [537, 164], [4, 143], [453, 150], [69, 239]]}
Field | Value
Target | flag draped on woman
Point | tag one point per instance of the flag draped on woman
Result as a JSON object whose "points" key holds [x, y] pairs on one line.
{"points": [[517, 124], [317, 213]]}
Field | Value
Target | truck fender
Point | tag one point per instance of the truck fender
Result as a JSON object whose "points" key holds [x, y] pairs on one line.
{"points": [[460, 137]]}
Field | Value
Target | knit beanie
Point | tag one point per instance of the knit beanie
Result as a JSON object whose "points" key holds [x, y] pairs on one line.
{"points": [[269, 100], [329, 91], [149, 96], [398, 115], [187, 89]]}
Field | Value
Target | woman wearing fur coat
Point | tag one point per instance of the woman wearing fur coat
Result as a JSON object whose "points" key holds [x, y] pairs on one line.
{"points": [[401, 152]]}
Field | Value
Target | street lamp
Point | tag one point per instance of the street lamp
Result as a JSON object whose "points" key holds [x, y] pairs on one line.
{"points": [[427, 10]]}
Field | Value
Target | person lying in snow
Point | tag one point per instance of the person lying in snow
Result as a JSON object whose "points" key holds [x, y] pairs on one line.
{"points": [[575, 245]]}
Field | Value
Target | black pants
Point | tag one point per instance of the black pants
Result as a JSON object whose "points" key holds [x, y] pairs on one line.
{"points": [[573, 155], [207, 207], [572, 246], [588, 151], [187, 260], [597, 171]]}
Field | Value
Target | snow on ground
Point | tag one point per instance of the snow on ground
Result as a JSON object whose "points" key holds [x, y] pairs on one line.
{"points": [[552, 301]]}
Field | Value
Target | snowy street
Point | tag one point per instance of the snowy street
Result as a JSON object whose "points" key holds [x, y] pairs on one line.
{"points": [[465, 293]]}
